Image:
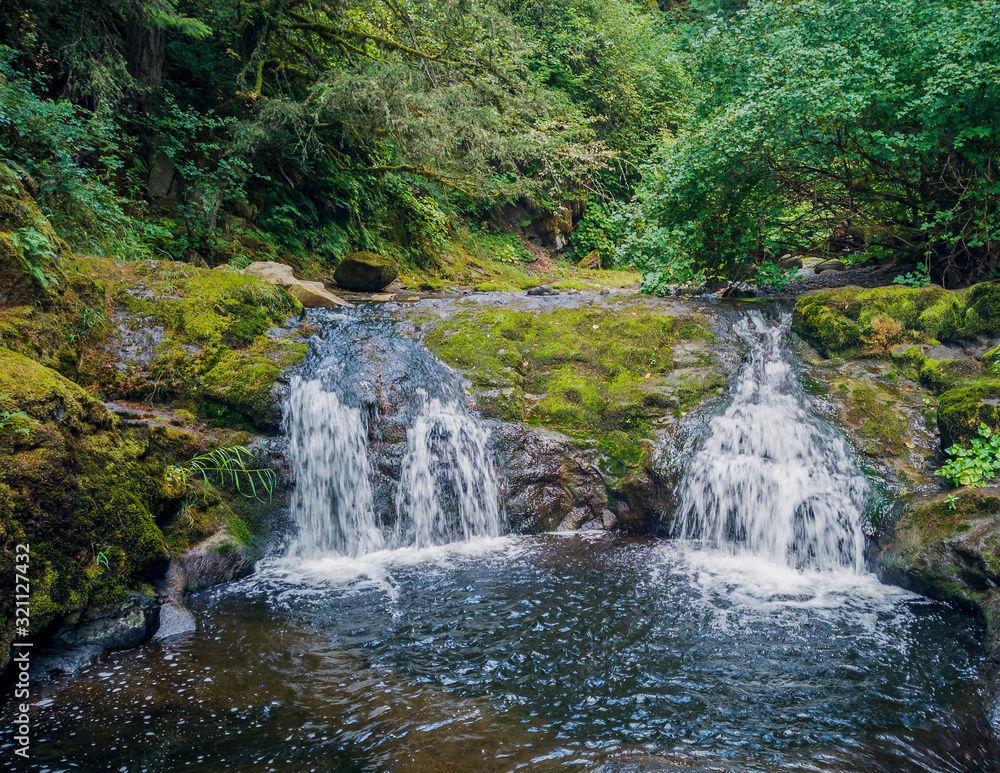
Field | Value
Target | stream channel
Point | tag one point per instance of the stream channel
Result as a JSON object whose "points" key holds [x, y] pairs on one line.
{"points": [[412, 633]]}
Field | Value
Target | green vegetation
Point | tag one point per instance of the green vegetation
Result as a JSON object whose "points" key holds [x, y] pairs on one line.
{"points": [[976, 465], [172, 129], [865, 128]]}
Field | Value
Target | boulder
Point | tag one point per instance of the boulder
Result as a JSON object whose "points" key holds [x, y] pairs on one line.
{"points": [[542, 290], [830, 265], [946, 547], [307, 293], [548, 484], [591, 260], [789, 261], [175, 620], [123, 625], [366, 272]]}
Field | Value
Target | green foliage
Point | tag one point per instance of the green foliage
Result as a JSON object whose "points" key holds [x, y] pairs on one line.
{"points": [[976, 465], [228, 466], [772, 275], [827, 128], [920, 278], [34, 247]]}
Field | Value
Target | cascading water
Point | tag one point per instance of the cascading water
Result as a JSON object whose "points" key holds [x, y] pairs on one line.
{"points": [[448, 468], [368, 384], [333, 506], [772, 479]]}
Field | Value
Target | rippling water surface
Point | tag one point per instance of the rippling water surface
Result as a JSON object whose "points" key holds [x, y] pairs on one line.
{"points": [[544, 653]]}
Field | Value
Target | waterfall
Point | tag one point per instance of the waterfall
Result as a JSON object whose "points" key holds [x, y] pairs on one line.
{"points": [[448, 490], [376, 408], [771, 478], [328, 451]]}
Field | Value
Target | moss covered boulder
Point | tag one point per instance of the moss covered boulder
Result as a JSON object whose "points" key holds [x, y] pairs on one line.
{"points": [[962, 410], [366, 272], [948, 548], [31, 255], [982, 316], [79, 489], [606, 380]]}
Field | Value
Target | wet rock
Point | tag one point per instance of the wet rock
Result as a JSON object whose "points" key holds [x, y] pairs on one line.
{"points": [[830, 265], [366, 272], [123, 625], [542, 290], [175, 620], [216, 560], [548, 484], [948, 547], [312, 294]]}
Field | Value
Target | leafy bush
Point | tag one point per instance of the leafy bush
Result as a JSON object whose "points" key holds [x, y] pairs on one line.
{"points": [[829, 127], [976, 465]]}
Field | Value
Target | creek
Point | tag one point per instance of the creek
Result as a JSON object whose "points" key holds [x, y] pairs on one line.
{"points": [[402, 629]]}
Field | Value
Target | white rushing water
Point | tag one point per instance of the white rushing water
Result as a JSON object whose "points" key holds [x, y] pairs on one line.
{"points": [[448, 490], [333, 505], [772, 479]]}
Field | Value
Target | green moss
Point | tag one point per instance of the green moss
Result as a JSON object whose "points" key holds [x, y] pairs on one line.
{"points": [[940, 376], [214, 355], [962, 410], [824, 327], [849, 318], [877, 420], [80, 490], [948, 514], [588, 372], [983, 314], [500, 286]]}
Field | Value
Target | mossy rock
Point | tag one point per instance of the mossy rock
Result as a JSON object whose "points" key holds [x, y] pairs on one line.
{"points": [[31, 255], [877, 320], [83, 492], [587, 372], [982, 316], [825, 328], [212, 341], [366, 272], [962, 410], [943, 375]]}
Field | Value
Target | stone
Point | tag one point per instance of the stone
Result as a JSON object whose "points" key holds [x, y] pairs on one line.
{"points": [[830, 265], [788, 261], [383, 297], [940, 353], [175, 620], [123, 625], [312, 294], [216, 560], [365, 272], [550, 485], [542, 290], [591, 260]]}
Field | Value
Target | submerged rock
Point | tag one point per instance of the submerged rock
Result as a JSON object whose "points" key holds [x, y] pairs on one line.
{"points": [[366, 272]]}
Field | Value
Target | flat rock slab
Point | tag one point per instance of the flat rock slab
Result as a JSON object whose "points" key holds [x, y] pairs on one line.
{"points": [[312, 294], [941, 353]]}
